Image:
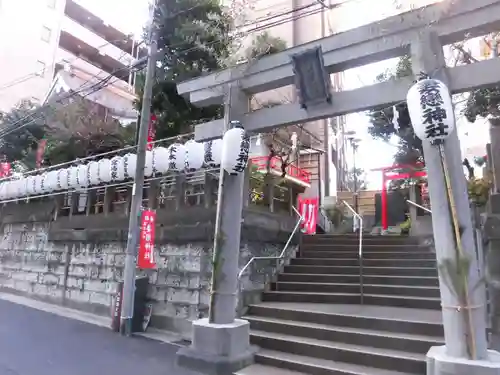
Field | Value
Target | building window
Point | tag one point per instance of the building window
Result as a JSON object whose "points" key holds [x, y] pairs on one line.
{"points": [[46, 34], [40, 68], [51, 4]]}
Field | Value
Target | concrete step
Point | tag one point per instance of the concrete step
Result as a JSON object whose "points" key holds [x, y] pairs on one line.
{"points": [[401, 263], [354, 270], [367, 247], [326, 238], [315, 366], [345, 288], [409, 255], [258, 369], [363, 355], [354, 279], [387, 319], [352, 298], [414, 343]]}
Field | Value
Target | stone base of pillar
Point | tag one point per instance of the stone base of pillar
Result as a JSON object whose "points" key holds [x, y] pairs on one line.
{"points": [[438, 363], [218, 349]]}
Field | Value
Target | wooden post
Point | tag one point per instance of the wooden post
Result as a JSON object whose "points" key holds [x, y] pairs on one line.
{"points": [[180, 191]]}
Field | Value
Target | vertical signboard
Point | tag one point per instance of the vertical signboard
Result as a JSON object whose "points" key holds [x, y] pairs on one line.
{"points": [[145, 258]]}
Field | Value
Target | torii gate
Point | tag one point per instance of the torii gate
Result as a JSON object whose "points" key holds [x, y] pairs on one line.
{"points": [[423, 32]]}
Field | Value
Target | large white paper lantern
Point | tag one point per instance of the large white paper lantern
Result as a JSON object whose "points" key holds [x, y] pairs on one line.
{"points": [[148, 164], [8, 190], [93, 172], [235, 149], [431, 110], [73, 177], [104, 170], [160, 159], [176, 157], [130, 164], [117, 169], [62, 179], [213, 152], [83, 175], [51, 181], [195, 155]]}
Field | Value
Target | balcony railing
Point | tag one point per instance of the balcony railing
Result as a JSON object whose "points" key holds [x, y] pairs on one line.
{"points": [[292, 171]]}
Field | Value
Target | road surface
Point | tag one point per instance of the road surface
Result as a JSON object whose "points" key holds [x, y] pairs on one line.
{"points": [[33, 342]]}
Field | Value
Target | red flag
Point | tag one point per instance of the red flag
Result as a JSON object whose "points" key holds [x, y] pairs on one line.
{"points": [[145, 258], [308, 208], [151, 132]]}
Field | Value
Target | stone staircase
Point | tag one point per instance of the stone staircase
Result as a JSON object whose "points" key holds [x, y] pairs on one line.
{"points": [[311, 320]]}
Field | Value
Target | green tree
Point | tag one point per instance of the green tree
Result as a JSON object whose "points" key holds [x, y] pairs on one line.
{"points": [[194, 39], [22, 128], [81, 128]]}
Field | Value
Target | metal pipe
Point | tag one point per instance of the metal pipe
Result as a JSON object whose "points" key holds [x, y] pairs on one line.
{"points": [[360, 250]]}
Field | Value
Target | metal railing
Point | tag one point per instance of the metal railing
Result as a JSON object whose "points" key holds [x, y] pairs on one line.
{"points": [[419, 206], [277, 258], [360, 249]]}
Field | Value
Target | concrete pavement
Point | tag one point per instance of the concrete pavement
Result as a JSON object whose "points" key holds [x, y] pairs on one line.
{"points": [[35, 342]]}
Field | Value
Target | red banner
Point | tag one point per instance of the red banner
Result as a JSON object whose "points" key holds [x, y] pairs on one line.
{"points": [[151, 132], [40, 152], [145, 257], [308, 208], [5, 169]]}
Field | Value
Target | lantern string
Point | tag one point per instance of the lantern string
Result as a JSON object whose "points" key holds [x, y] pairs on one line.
{"points": [[86, 189], [92, 157]]}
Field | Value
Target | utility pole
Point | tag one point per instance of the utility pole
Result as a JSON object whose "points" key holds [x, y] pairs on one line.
{"points": [[135, 207]]}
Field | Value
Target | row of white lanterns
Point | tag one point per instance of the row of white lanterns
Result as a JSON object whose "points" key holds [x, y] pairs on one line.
{"points": [[177, 157], [231, 153]]}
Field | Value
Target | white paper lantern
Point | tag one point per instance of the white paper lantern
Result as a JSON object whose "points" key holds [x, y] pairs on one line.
{"points": [[235, 149], [43, 179], [38, 184], [73, 177], [51, 181], [15, 189], [176, 157], [93, 172], [62, 179], [148, 164], [8, 190], [160, 159], [431, 110], [117, 169], [83, 175], [195, 155], [22, 187], [3, 194], [104, 170], [213, 152], [130, 164]]}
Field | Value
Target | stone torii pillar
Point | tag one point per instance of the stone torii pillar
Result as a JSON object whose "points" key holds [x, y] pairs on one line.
{"points": [[221, 346], [453, 358]]}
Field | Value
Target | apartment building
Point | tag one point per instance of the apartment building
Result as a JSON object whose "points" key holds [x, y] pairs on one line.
{"points": [[50, 46], [297, 22]]}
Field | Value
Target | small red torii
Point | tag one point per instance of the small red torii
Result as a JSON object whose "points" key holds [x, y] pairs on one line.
{"points": [[388, 174]]}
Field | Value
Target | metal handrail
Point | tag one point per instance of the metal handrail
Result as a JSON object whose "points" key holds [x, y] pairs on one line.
{"points": [[419, 206], [277, 258], [360, 250]]}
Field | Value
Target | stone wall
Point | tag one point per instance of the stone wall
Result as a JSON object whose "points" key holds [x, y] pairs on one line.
{"points": [[78, 261]]}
